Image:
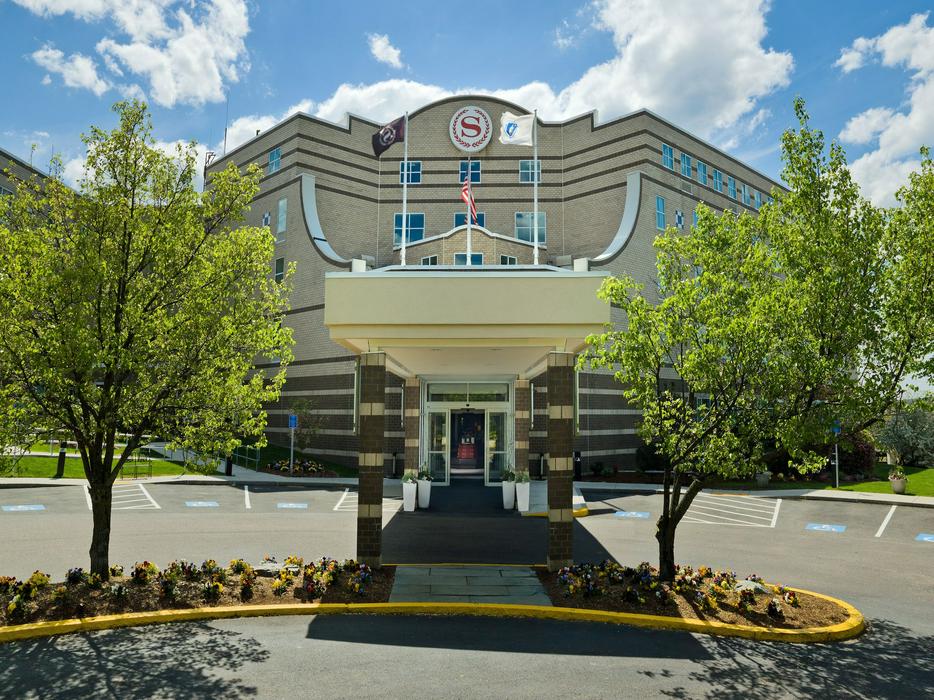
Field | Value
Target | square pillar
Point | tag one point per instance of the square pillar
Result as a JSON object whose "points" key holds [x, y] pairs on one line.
{"points": [[370, 457], [412, 420], [523, 423], [560, 462]]}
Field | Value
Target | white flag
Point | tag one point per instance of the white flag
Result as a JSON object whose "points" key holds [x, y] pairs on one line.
{"points": [[516, 131]]}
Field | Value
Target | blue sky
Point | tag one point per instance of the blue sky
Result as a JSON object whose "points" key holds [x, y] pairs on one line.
{"points": [[724, 69]]}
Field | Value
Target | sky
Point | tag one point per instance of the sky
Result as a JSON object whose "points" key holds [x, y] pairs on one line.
{"points": [[725, 70]]}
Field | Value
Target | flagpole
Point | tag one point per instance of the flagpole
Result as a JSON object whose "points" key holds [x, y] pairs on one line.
{"points": [[469, 195], [535, 176], [405, 187]]}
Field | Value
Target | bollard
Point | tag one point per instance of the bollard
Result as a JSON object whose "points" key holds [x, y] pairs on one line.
{"points": [[60, 467]]}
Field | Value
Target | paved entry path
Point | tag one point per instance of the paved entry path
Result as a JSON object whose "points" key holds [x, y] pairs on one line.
{"points": [[518, 585]]}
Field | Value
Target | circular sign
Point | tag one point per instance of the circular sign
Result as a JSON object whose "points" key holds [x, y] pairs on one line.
{"points": [[471, 129]]}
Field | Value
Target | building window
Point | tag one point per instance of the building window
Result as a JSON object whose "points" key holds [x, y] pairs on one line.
{"points": [[668, 156], [414, 228], [702, 173], [686, 165], [524, 230], [430, 260], [695, 218], [758, 199], [280, 269], [4, 192], [508, 260], [266, 218], [460, 219], [275, 158], [746, 194], [461, 258], [660, 213], [731, 186], [718, 181], [474, 171], [530, 171], [414, 169], [282, 219]]}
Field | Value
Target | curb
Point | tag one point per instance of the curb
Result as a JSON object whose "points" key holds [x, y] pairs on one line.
{"points": [[851, 627]]}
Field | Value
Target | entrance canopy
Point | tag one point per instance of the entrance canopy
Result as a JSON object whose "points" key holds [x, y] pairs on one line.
{"points": [[483, 320]]}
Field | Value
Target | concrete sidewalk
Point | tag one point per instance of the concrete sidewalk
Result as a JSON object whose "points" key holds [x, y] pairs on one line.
{"points": [[803, 494], [515, 585]]}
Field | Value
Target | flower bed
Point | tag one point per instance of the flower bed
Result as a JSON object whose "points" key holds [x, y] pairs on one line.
{"points": [[184, 584], [304, 467], [702, 594]]}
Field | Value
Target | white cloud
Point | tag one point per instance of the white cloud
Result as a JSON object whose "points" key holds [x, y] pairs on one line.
{"points": [[864, 127], [244, 128], [661, 65], [188, 52], [564, 36], [855, 56], [383, 51], [73, 171], [77, 71], [880, 172]]}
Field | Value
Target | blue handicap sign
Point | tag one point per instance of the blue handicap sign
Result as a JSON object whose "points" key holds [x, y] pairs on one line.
{"points": [[201, 504], [823, 527], [293, 421], [925, 537], [292, 505], [23, 508], [640, 514]]}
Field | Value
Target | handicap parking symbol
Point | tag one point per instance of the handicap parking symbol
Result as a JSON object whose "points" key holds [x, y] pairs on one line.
{"points": [[23, 508], [823, 527], [293, 505], [201, 504], [634, 514], [925, 537]]}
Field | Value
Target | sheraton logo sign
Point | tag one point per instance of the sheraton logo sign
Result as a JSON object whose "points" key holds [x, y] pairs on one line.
{"points": [[471, 129]]}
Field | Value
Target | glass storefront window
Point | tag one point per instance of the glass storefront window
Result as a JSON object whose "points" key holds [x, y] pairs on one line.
{"points": [[468, 391]]}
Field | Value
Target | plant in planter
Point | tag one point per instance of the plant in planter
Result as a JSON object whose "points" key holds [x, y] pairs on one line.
{"points": [[509, 489], [523, 484], [898, 479], [424, 487], [409, 489]]}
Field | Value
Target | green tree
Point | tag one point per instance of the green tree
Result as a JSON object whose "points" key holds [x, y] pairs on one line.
{"points": [[764, 331], [137, 305]]}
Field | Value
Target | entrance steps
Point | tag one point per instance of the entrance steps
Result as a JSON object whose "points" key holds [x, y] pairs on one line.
{"points": [[538, 501]]}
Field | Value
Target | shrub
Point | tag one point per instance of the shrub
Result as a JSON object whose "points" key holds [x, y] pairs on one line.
{"points": [[118, 592], [116, 570], [142, 573], [857, 455], [649, 459], [238, 566], [211, 592], [910, 435]]}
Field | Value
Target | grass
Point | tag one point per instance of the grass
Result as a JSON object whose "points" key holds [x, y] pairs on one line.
{"points": [[920, 483], [44, 467]]}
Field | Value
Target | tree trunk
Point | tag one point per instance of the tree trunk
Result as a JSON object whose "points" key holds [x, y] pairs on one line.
{"points": [[665, 534], [100, 539]]}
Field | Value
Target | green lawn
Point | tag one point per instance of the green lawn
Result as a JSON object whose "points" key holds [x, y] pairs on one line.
{"points": [[920, 483], [44, 467]]}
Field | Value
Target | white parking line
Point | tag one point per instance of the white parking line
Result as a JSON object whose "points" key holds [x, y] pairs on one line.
{"points": [[132, 497], [151, 499], [341, 501], [739, 511], [703, 507], [246, 496], [778, 504], [886, 521], [87, 496]]}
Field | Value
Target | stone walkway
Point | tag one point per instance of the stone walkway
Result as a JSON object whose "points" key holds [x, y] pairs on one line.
{"points": [[518, 585]]}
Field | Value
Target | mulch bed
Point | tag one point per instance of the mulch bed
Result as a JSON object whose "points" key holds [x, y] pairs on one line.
{"points": [[122, 594], [328, 473], [696, 595]]}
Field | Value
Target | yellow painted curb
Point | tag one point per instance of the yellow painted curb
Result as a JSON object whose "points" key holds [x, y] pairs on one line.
{"points": [[579, 513], [848, 629]]}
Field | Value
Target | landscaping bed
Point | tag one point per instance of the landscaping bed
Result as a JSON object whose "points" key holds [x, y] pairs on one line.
{"points": [[701, 594], [305, 467], [184, 585]]}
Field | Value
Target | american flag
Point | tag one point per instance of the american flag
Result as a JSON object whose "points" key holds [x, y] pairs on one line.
{"points": [[467, 198]]}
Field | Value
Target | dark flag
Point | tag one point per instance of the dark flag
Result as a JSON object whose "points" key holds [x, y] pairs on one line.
{"points": [[388, 135]]}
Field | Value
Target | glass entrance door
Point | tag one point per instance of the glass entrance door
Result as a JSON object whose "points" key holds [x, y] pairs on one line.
{"points": [[438, 445], [496, 444]]}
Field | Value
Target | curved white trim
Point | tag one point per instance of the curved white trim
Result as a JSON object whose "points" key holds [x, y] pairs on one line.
{"points": [[628, 222], [313, 224]]}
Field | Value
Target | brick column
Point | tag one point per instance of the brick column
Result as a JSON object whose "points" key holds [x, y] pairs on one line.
{"points": [[370, 457], [523, 422], [413, 401], [560, 464]]}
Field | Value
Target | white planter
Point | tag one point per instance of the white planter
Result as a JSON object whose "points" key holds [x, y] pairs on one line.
{"points": [[509, 495], [898, 485], [522, 495], [408, 496], [424, 493]]}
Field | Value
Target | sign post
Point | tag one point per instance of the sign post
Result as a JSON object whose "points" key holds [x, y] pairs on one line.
{"points": [[836, 453], [293, 424]]}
